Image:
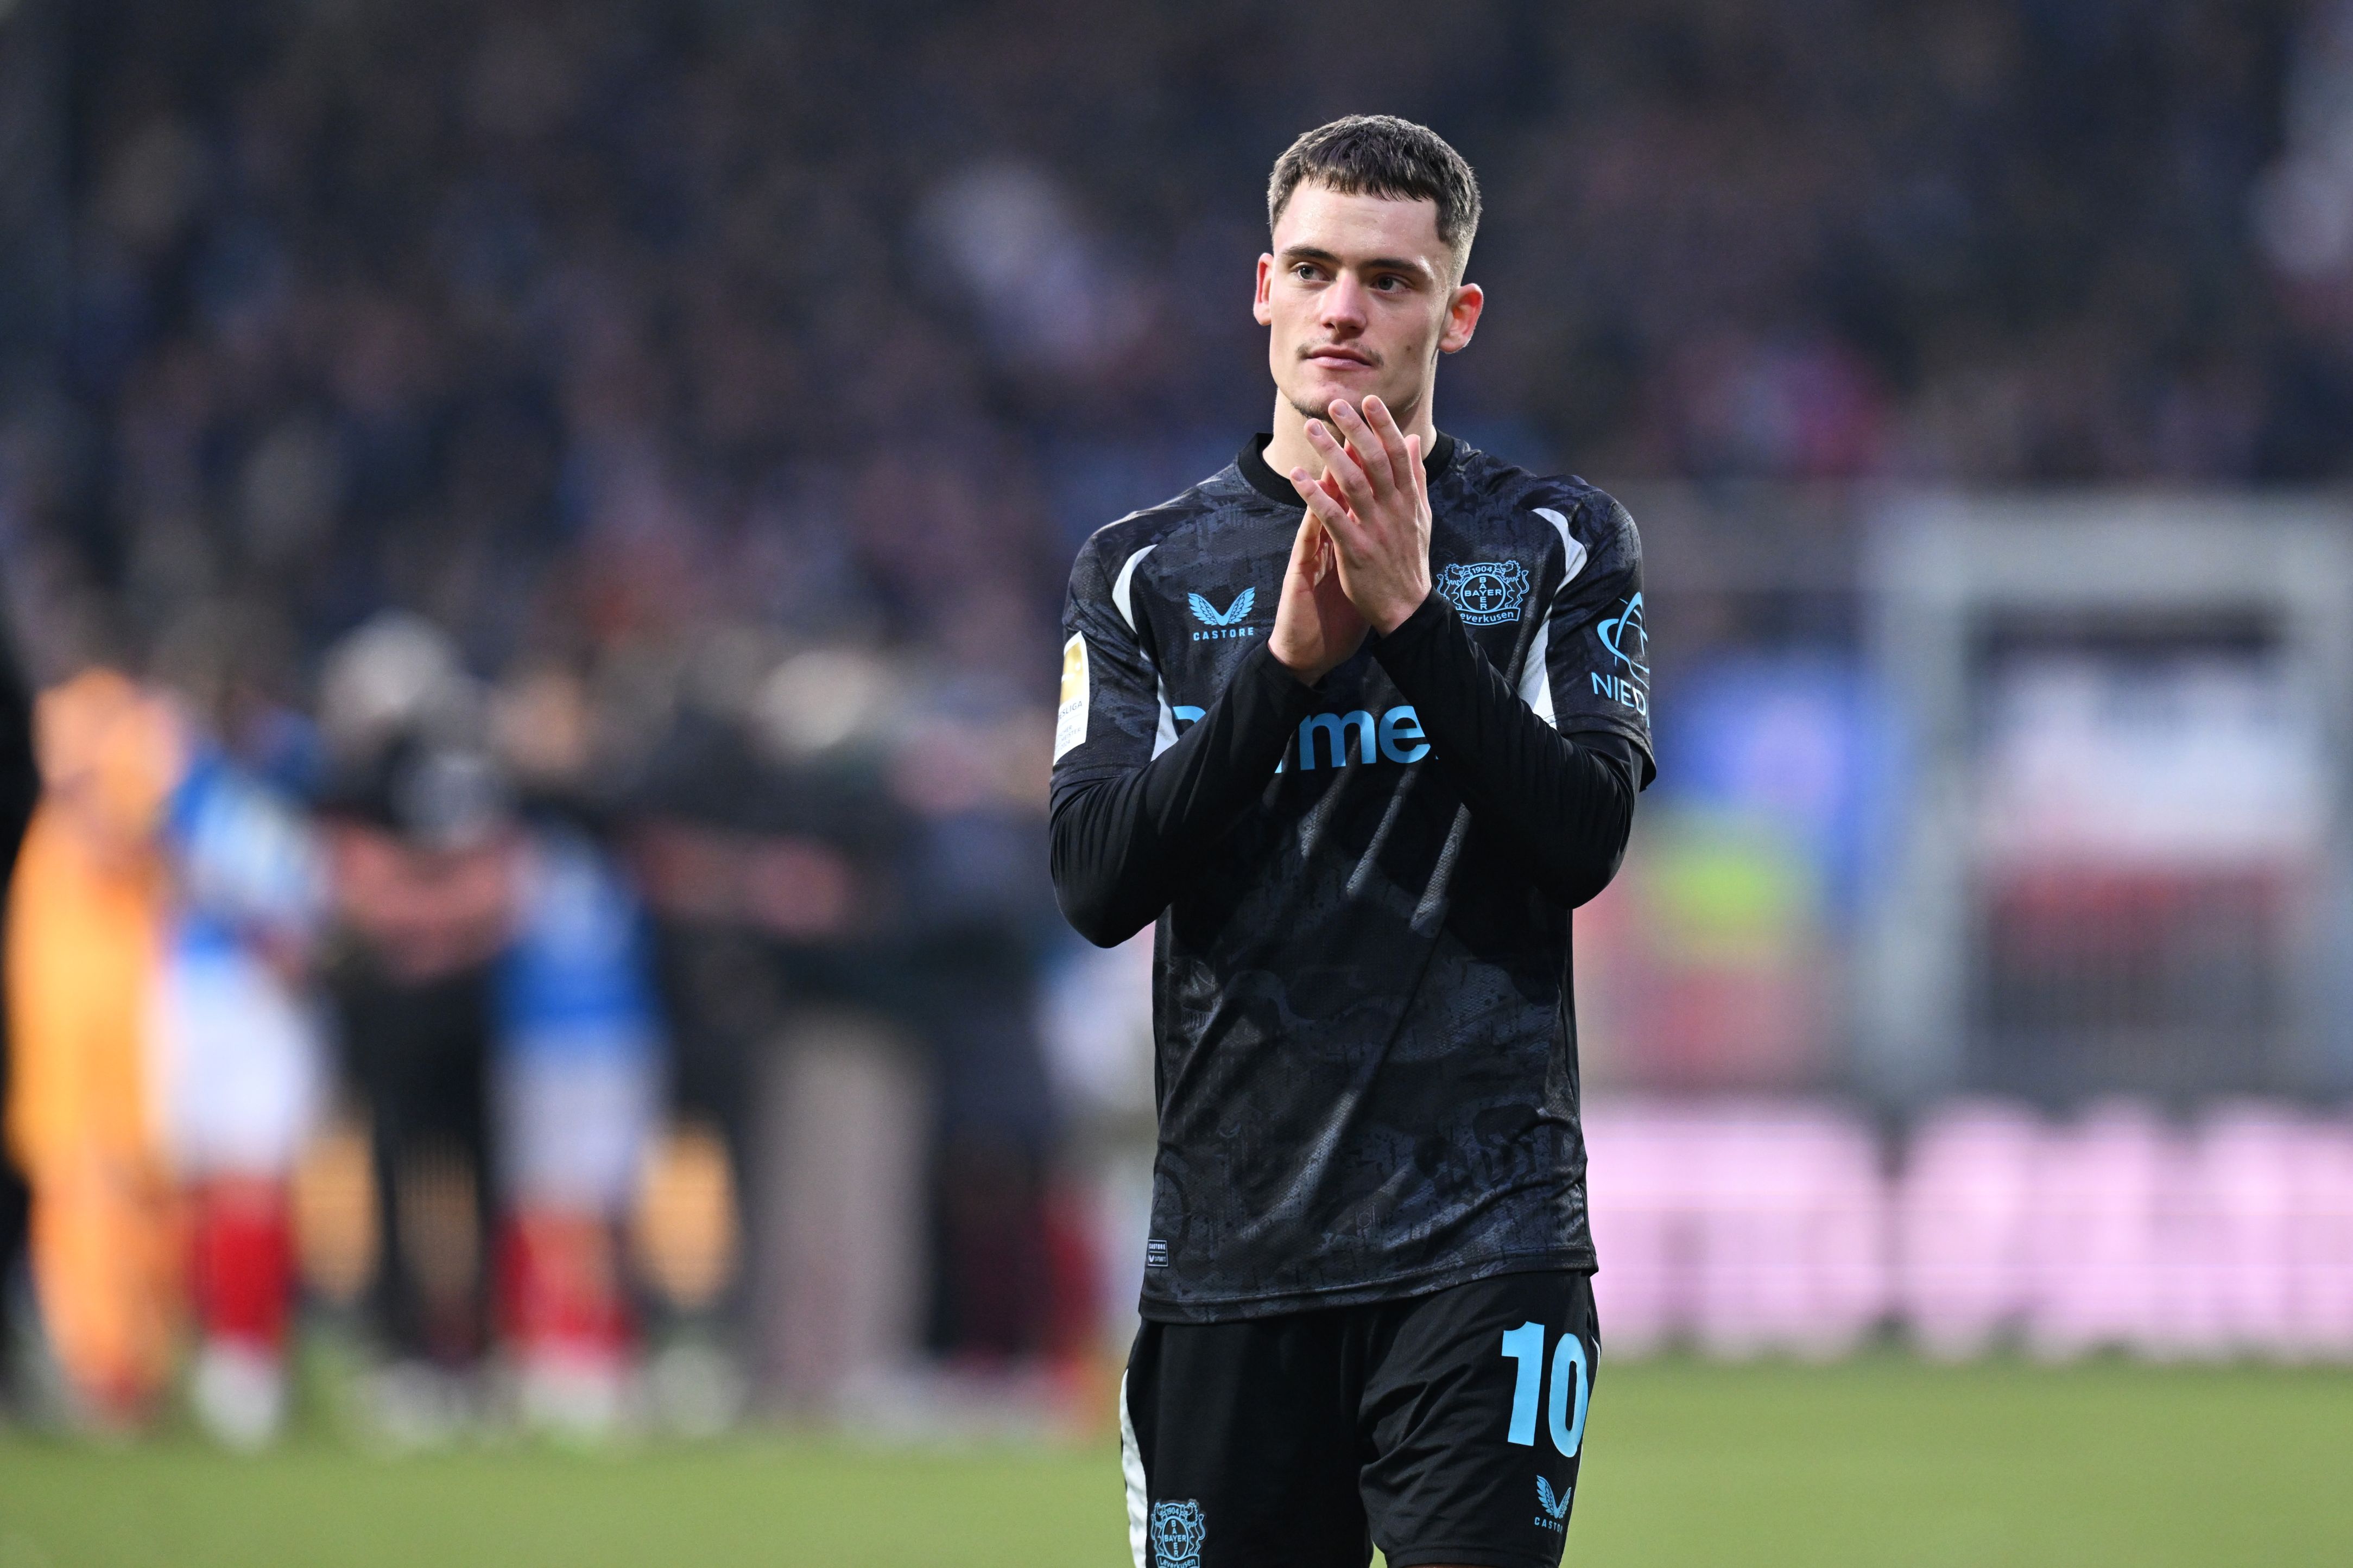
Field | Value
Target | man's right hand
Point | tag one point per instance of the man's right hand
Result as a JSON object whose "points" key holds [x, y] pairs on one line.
{"points": [[1316, 630]]}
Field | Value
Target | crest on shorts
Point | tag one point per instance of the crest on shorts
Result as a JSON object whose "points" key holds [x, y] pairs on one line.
{"points": [[1177, 1532], [1485, 593]]}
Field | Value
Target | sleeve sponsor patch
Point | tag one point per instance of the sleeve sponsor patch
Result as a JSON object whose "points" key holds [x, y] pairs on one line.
{"points": [[1070, 720]]}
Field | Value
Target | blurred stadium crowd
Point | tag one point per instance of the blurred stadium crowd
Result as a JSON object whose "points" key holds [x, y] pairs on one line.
{"points": [[537, 531]]}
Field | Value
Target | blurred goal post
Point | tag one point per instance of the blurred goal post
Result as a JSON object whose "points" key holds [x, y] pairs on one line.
{"points": [[2119, 859]]}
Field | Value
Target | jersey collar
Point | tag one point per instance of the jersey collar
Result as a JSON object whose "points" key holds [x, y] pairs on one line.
{"points": [[1251, 461]]}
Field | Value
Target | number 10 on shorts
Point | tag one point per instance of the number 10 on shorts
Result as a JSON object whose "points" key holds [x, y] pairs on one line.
{"points": [[1572, 1385]]}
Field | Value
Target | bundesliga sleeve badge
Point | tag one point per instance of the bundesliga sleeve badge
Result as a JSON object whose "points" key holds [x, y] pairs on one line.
{"points": [[1070, 719]]}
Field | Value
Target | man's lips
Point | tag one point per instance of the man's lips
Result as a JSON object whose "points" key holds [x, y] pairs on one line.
{"points": [[1337, 356]]}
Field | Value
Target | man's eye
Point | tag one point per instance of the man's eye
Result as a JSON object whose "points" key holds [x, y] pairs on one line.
{"points": [[1303, 272]]}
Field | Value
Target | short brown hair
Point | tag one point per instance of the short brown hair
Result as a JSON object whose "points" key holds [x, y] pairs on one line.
{"points": [[1381, 155]]}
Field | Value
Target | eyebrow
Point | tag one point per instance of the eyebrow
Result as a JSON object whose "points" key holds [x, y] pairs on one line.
{"points": [[1395, 263]]}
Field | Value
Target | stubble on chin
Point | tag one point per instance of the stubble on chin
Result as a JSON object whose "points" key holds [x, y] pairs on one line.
{"points": [[1401, 411]]}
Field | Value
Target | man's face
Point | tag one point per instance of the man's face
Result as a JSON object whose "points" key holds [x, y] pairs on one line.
{"points": [[1360, 294]]}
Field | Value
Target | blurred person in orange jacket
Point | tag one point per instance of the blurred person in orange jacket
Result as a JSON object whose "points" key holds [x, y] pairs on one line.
{"points": [[165, 1070], [84, 938]]}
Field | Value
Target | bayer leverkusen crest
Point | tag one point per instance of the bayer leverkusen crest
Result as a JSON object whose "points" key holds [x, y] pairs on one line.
{"points": [[1485, 593], [1179, 1531]]}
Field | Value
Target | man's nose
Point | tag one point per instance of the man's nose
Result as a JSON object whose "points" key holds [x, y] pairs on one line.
{"points": [[1344, 304]]}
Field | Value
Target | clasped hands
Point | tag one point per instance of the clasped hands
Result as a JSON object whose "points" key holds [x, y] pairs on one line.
{"points": [[1361, 561]]}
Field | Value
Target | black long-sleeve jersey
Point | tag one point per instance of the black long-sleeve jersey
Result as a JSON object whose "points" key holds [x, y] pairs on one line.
{"points": [[1367, 1048]]}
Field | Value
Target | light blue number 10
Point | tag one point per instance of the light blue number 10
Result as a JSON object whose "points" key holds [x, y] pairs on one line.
{"points": [[1525, 1345]]}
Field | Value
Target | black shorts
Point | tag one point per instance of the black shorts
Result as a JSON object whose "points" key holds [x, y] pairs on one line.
{"points": [[1447, 1427]]}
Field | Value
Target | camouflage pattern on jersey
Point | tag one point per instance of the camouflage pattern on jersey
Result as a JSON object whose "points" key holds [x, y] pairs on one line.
{"points": [[1366, 1066]]}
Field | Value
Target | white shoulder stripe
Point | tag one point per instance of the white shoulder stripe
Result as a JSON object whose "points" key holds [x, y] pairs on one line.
{"points": [[1536, 679], [1568, 544], [1123, 592]]}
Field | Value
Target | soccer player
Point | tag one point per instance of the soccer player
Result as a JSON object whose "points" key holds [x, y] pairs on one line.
{"points": [[1358, 720]]}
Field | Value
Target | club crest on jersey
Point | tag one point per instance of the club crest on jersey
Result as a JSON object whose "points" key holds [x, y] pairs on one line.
{"points": [[1485, 593], [1177, 1532], [1225, 623]]}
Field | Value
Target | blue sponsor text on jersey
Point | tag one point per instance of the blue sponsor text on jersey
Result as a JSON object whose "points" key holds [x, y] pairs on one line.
{"points": [[1337, 739], [1628, 640], [1618, 688]]}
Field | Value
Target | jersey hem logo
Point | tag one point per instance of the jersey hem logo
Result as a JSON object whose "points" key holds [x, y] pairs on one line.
{"points": [[1225, 623], [1485, 593], [1177, 1532]]}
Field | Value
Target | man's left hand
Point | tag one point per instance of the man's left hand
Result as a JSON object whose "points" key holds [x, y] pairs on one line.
{"points": [[1374, 502]]}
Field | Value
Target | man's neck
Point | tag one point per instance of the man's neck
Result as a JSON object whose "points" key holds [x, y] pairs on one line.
{"points": [[1290, 450]]}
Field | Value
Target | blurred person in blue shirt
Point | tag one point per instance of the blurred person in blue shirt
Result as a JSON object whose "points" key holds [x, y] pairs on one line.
{"points": [[239, 1047]]}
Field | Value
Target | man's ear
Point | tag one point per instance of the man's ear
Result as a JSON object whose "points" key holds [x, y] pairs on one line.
{"points": [[1263, 307], [1461, 317]]}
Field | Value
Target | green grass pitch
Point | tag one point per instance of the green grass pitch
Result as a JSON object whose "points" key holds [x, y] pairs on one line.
{"points": [[1878, 1461]]}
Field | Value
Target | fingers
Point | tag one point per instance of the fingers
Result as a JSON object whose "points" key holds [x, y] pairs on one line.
{"points": [[1311, 553], [1420, 474], [1305, 549], [1404, 467], [1331, 448], [1296, 638], [1322, 506], [1367, 445], [1343, 467]]}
